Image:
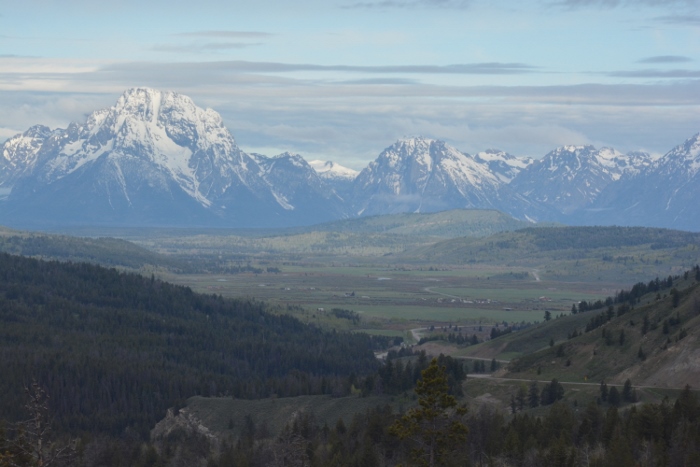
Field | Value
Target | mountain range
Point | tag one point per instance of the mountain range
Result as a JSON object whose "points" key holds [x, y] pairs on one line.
{"points": [[155, 158]]}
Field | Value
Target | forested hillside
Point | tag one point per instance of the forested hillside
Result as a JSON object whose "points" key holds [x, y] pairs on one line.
{"points": [[105, 251], [116, 349], [574, 253]]}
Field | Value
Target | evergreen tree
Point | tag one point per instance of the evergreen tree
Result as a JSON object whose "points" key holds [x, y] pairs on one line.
{"points": [[675, 297], [614, 397], [627, 392], [435, 426], [645, 325], [533, 398]]}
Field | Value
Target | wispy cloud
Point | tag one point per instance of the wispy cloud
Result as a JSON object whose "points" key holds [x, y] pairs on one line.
{"points": [[198, 48], [227, 34], [683, 20], [240, 66], [656, 73], [625, 3], [352, 121], [385, 81], [388, 4], [666, 59]]}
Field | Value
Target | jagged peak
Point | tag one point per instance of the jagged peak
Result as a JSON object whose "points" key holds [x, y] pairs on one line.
{"points": [[415, 142], [573, 149], [290, 155], [148, 104], [38, 131], [328, 169], [292, 158], [691, 147]]}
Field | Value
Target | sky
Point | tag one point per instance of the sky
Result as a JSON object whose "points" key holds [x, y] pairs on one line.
{"points": [[343, 79]]}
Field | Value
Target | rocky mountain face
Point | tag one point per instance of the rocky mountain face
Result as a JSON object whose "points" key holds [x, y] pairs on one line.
{"points": [[299, 188], [423, 175], [426, 175], [155, 158], [665, 193], [339, 177], [503, 165], [572, 177]]}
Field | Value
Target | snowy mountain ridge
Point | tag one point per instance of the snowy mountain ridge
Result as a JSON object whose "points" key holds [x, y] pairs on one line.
{"points": [[572, 177], [153, 155], [156, 158], [333, 170]]}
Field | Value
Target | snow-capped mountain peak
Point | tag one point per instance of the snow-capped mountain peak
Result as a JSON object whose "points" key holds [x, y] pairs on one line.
{"points": [[189, 144], [505, 166], [20, 154], [572, 177], [685, 157], [156, 158], [154, 148], [421, 175], [331, 170]]}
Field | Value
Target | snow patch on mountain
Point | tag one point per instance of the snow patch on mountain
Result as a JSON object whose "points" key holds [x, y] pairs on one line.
{"points": [[572, 177], [331, 170], [505, 166], [422, 175]]}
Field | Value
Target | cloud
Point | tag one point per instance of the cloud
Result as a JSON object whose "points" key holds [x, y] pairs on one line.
{"points": [[625, 3], [227, 34], [6, 133], [386, 81], [199, 48], [352, 121], [656, 73], [666, 59], [681, 20], [408, 4], [353, 135], [237, 66]]}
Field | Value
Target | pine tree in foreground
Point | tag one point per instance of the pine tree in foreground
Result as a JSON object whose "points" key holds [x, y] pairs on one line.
{"points": [[436, 426]]}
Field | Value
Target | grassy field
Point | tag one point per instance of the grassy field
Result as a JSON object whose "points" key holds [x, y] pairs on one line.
{"points": [[413, 297], [397, 274]]}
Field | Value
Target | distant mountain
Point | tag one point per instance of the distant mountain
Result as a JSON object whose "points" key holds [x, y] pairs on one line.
{"points": [[337, 176], [19, 155], [505, 166], [300, 188], [423, 175], [427, 175], [155, 158], [329, 170], [572, 177], [664, 193]]}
